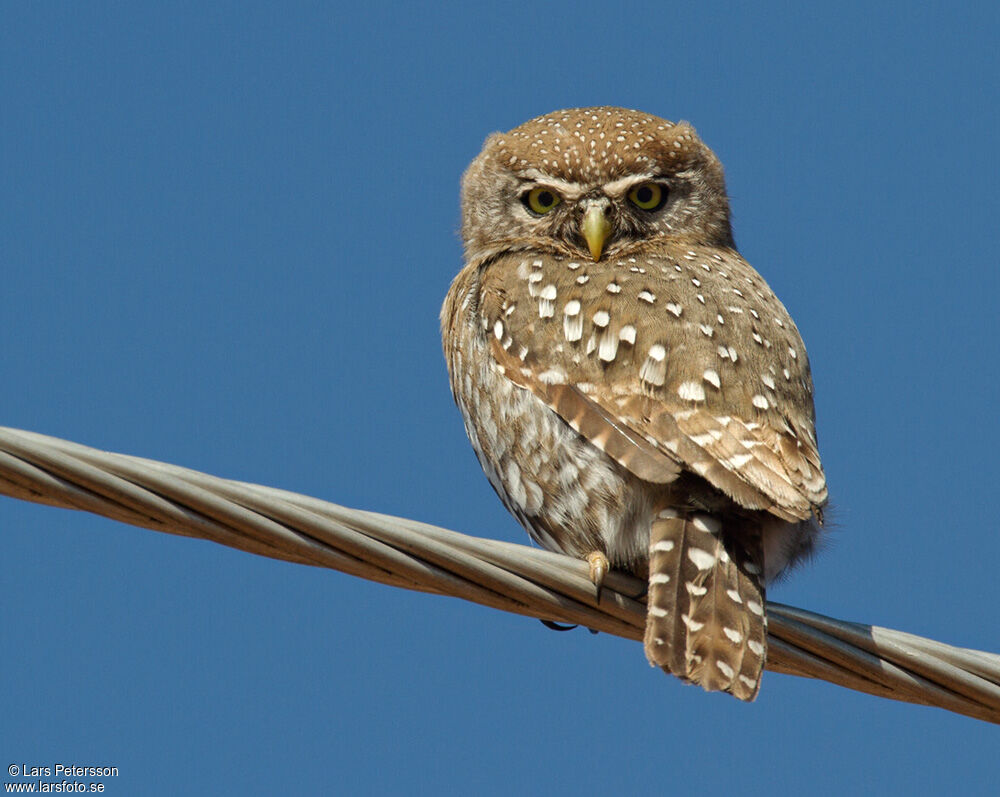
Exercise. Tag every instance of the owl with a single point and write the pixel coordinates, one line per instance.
(635, 392)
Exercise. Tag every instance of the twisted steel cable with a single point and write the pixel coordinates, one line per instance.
(515, 578)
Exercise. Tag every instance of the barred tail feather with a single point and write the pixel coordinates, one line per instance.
(705, 621)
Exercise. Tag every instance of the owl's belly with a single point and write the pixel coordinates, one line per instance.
(567, 493)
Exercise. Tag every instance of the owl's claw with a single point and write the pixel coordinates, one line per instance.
(599, 566)
(553, 626)
(559, 627)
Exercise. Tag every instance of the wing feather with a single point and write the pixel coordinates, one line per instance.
(637, 358)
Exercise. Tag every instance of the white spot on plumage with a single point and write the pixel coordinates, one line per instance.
(676, 309)
(755, 607)
(755, 647)
(659, 578)
(712, 377)
(498, 329)
(706, 439)
(658, 611)
(734, 595)
(627, 334)
(703, 560)
(533, 497)
(734, 636)
(692, 625)
(654, 369)
(694, 590)
(724, 668)
(760, 402)
(553, 376)
(608, 347)
(707, 524)
(512, 481)
(546, 299)
(737, 461)
(663, 546)
(706, 330)
(646, 296)
(602, 318)
(691, 391)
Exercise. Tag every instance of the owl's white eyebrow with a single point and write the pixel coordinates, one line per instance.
(566, 188)
(570, 190)
(620, 186)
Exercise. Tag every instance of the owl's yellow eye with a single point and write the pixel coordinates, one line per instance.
(541, 200)
(648, 196)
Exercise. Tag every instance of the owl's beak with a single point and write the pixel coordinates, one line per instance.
(595, 228)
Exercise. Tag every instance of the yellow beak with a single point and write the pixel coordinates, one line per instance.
(595, 228)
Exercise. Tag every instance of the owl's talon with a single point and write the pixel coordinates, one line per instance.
(599, 566)
(554, 626)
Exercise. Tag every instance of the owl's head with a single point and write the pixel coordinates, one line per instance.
(593, 182)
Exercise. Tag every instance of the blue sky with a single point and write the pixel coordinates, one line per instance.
(225, 235)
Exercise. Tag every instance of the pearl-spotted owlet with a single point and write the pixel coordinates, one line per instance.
(633, 389)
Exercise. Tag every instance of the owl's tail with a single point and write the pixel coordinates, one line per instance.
(705, 622)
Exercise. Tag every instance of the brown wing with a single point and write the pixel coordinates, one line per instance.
(678, 357)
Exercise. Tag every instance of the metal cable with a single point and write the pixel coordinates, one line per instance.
(515, 578)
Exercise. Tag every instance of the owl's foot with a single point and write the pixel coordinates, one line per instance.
(599, 566)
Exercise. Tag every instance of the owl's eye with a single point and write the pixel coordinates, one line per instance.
(648, 196)
(541, 200)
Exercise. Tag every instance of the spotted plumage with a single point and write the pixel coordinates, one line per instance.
(630, 384)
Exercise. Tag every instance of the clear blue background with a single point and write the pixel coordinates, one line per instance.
(226, 230)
